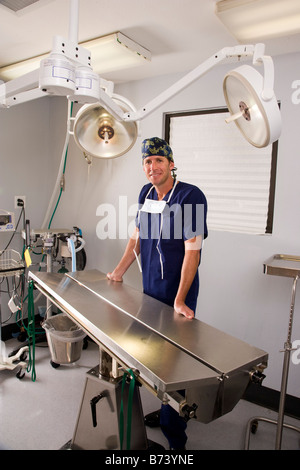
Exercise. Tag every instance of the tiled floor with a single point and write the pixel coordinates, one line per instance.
(41, 415)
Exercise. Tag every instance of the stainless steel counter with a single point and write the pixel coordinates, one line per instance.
(169, 351)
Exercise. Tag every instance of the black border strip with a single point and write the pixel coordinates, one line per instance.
(269, 398)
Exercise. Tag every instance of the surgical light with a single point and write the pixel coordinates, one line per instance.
(256, 117)
(98, 134)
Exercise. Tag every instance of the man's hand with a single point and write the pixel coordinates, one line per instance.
(183, 309)
(114, 277)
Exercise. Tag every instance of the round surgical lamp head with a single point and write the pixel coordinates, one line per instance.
(98, 134)
(258, 118)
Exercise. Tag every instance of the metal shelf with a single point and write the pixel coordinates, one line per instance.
(11, 263)
(283, 265)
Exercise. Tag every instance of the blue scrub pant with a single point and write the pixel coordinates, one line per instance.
(173, 427)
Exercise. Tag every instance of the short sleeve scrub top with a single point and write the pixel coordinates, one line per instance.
(162, 234)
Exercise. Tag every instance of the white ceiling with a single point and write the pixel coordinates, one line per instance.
(180, 34)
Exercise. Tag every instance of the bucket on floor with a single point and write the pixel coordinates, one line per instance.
(65, 339)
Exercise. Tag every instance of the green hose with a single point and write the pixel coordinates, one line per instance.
(60, 193)
(129, 409)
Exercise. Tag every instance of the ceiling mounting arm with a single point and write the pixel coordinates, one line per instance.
(68, 68)
(69, 50)
(221, 56)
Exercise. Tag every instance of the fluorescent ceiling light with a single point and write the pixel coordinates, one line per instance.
(115, 52)
(249, 20)
(109, 53)
(17, 5)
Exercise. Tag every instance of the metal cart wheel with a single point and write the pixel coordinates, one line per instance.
(23, 356)
(19, 374)
(54, 364)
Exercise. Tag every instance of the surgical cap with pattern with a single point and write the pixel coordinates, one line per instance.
(156, 146)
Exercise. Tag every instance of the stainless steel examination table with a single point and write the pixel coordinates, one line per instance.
(146, 341)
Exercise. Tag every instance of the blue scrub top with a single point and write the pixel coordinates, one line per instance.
(184, 217)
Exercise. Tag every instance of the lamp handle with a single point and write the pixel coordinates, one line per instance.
(259, 58)
(268, 86)
(71, 121)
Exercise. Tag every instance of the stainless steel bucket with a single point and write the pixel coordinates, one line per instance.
(65, 339)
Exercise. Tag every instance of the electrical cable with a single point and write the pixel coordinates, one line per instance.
(61, 171)
(60, 175)
(30, 329)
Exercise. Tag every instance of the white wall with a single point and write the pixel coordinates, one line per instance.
(235, 295)
(26, 165)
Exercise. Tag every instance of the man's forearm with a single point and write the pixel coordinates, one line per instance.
(127, 258)
(188, 271)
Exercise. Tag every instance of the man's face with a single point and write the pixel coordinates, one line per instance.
(157, 169)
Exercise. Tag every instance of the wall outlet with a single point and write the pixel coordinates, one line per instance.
(18, 203)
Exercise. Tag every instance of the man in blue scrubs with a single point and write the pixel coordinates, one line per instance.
(170, 228)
